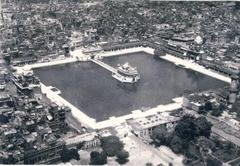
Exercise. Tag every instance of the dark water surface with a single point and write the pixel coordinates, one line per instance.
(92, 89)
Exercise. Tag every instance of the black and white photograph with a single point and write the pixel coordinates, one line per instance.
(120, 82)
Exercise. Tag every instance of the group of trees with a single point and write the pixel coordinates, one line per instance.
(187, 130)
(98, 158)
(214, 110)
(191, 137)
(112, 146)
(122, 157)
(68, 154)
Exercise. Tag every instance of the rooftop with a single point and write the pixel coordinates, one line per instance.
(152, 121)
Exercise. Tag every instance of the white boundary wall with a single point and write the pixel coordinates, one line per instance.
(87, 121)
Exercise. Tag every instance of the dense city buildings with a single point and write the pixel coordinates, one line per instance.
(119, 82)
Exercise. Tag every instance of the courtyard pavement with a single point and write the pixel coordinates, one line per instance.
(141, 153)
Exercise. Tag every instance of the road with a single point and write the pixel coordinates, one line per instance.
(226, 136)
(141, 153)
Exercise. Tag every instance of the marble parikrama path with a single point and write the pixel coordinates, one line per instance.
(90, 122)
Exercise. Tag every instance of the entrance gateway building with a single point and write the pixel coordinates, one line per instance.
(144, 126)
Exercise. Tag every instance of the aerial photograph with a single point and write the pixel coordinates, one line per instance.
(120, 82)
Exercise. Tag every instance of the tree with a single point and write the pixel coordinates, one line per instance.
(237, 5)
(67, 155)
(189, 128)
(122, 157)
(148, 164)
(208, 106)
(160, 164)
(159, 135)
(216, 112)
(98, 158)
(203, 126)
(111, 145)
(176, 144)
(215, 162)
(94, 154)
(186, 128)
(80, 145)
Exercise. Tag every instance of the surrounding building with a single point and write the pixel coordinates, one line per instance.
(34, 130)
(144, 126)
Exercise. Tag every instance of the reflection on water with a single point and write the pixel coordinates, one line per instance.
(92, 89)
(128, 87)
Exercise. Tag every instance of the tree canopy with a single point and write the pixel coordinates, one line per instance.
(188, 129)
(176, 144)
(203, 126)
(159, 135)
(111, 145)
(68, 154)
(97, 158)
(122, 157)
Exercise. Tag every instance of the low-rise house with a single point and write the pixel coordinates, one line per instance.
(56, 118)
(197, 102)
(23, 61)
(27, 138)
(5, 99)
(43, 153)
(234, 124)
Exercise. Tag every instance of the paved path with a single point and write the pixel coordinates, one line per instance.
(111, 122)
(79, 115)
(196, 67)
(126, 51)
(142, 153)
(52, 63)
(178, 61)
(90, 122)
(104, 65)
(115, 121)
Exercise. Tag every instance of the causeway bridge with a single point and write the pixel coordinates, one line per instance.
(104, 65)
